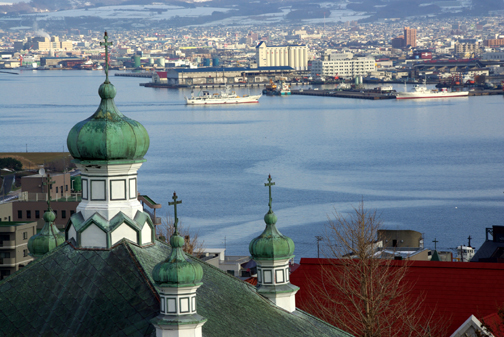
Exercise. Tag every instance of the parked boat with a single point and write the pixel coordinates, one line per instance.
(224, 97)
(421, 91)
(281, 89)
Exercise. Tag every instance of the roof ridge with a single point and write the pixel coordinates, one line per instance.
(140, 268)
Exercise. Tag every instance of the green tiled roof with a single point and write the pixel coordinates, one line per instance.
(83, 292)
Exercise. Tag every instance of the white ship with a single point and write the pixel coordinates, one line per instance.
(224, 97)
(421, 91)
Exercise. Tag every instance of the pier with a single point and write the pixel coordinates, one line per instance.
(371, 94)
(140, 74)
(363, 94)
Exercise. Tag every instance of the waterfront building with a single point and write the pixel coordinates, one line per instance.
(343, 65)
(212, 76)
(295, 56)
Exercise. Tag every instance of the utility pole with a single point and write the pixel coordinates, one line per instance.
(319, 238)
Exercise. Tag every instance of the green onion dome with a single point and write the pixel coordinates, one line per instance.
(176, 270)
(47, 239)
(271, 244)
(108, 134)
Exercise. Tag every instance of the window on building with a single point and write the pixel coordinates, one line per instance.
(230, 272)
(20, 214)
(25, 235)
(28, 214)
(56, 189)
(61, 189)
(66, 188)
(63, 214)
(37, 214)
(25, 252)
(72, 213)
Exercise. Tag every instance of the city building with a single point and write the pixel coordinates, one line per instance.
(210, 76)
(44, 43)
(343, 65)
(466, 50)
(493, 42)
(492, 250)
(493, 56)
(64, 191)
(295, 56)
(14, 252)
(410, 37)
(398, 42)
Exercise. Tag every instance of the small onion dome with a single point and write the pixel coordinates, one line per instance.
(271, 244)
(176, 270)
(108, 134)
(47, 239)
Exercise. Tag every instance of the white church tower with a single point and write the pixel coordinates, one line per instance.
(108, 148)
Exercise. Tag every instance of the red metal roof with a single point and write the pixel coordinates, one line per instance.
(495, 323)
(455, 290)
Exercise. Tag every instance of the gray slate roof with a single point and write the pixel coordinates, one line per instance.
(82, 292)
(486, 250)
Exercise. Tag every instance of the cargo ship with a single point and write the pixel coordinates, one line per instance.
(224, 97)
(421, 91)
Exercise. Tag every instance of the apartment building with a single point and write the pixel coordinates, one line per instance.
(343, 65)
(14, 253)
(410, 37)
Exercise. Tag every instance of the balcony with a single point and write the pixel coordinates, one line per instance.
(7, 244)
(7, 262)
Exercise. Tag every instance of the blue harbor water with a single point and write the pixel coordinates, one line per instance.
(435, 166)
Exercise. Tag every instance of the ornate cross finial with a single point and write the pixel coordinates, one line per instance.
(48, 184)
(269, 184)
(435, 243)
(174, 204)
(106, 44)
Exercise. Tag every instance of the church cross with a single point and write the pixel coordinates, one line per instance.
(174, 204)
(269, 184)
(435, 243)
(48, 183)
(469, 238)
(106, 44)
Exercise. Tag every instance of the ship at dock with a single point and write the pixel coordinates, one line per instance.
(281, 89)
(224, 97)
(421, 91)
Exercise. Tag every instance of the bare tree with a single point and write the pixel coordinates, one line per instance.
(193, 245)
(361, 292)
